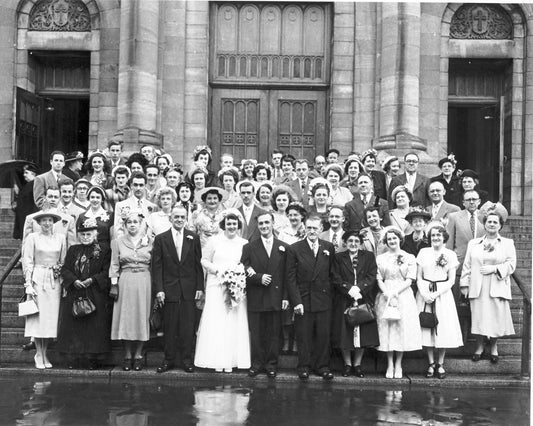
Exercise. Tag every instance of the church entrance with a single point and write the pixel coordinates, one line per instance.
(55, 115)
(269, 79)
(479, 118)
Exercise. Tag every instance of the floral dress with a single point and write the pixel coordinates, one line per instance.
(206, 224)
(404, 334)
(435, 265)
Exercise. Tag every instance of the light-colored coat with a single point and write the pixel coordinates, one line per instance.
(505, 261)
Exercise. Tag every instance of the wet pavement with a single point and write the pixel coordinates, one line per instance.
(55, 400)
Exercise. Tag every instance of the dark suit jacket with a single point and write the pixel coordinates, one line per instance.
(250, 231)
(380, 183)
(263, 298)
(354, 213)
(179, 279)
(310, 279)
(420, 195)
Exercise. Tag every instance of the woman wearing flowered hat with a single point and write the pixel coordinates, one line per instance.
(86, 274)
(206, 220)
(450, 179)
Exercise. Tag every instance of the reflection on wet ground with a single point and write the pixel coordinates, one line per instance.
(75, 401)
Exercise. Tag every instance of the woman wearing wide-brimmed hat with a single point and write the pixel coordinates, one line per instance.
(86, 274)
(44, 254)
(418, 218)
(206, 220)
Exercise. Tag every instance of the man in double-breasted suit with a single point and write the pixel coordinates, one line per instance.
(354, 211)
(311, 270)
(264, 260)
(249, 210)
(178, 280)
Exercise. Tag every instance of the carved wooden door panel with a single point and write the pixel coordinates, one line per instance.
(297, 123)
(239, 123)
(28, 126)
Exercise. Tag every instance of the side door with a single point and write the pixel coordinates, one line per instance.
(28, 127)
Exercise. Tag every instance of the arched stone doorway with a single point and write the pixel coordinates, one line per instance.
(482, 72)
(57, 74)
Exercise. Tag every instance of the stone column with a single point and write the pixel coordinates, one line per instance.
(400, 75)
(137, 74)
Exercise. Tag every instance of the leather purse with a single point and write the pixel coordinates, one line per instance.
(83, 306)
(27, 306)
(156, 318)
(357, 315)
(428, 319)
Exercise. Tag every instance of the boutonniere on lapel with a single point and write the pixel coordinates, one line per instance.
(488, 247)
(326, 252)
(282, 249)
(144, 241)
(150, 209)
(64, 222)
(96, 251)
(364, 235)
(190, 237)
(400, 260)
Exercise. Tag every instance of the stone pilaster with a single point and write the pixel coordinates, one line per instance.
(400, 78)
(137, 76)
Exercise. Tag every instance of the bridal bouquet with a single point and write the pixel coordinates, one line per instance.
(234, 282)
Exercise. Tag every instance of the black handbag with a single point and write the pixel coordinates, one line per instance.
(83, 306)
(357, 315)
(156, 317)
(428, 319)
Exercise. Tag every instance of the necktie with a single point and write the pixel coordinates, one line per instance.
(58, 178)
(268, 247)
(178, 244)
(315, 248)
(364, 200)
(473, 225)
(335, 241)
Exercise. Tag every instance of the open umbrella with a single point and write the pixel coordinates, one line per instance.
(11, 173)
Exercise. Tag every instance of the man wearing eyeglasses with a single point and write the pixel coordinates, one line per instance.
(414, 181)
(462, 227)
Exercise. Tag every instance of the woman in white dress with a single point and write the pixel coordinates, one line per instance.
(223, 341)
(44, 254)
(396, 272)
(436, 275)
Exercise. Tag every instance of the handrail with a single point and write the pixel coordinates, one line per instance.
(526, 326)
(10, 266)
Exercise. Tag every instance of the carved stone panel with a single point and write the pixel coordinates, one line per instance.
(59, 15)
(481, 22)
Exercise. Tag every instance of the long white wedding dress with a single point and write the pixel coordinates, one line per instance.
(223, 340)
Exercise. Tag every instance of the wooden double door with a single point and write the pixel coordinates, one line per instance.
(252, 123)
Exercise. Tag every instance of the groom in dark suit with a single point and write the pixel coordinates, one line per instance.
(178, 281)
(311, 270)
(264, 260)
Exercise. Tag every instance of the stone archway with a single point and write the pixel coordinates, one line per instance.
(60, 25)
(512, 49)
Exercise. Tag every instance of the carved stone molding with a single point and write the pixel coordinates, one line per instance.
(481, 22)
(59, 15)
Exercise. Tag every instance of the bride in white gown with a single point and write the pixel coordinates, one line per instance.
(223, 340)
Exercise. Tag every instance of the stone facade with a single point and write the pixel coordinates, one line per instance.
(388, 89)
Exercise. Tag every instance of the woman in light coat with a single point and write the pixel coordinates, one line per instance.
(486, 280)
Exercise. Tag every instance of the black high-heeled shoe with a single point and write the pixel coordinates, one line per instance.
(347, 371)
(126, 364)
(357, 372)
(494, 359)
